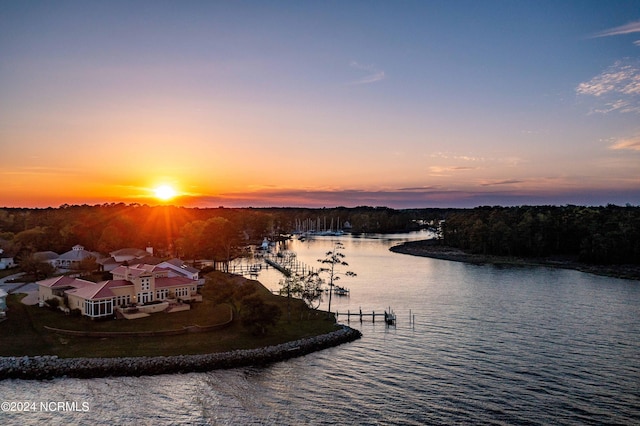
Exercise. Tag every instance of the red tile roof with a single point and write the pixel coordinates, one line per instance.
(101, 290)
(64, 281)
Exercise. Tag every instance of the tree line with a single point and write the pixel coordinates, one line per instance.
(609, 234)
(189, 233)
(600, 235)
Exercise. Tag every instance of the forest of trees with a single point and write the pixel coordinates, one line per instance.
(189, 233)
(608, 234)
(601, 235)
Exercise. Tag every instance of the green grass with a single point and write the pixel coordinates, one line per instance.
(23, 333)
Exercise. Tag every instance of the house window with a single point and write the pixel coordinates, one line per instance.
(98, 308)
(123, 300)
(145, 297)
(181, 292)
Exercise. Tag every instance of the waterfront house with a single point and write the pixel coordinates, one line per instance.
(137, 285)
(178, 268)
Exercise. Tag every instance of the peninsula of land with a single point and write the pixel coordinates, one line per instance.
(434, 249)
(44, 343)
(49, 367)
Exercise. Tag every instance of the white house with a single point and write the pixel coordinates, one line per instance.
(6, 262)
(72, 258)
(177, 268)
(50, 257)
(129, 255)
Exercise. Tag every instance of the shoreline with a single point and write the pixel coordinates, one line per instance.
(430, 248)
(50, 367)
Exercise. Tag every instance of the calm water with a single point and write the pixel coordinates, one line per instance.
(488, 346)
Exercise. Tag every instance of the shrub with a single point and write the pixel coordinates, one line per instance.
(206, 270)
(53, 303)
(257, 316)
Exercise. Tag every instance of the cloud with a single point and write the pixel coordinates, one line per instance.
(373, 74)
(632, 144)
(453, 156)
(41, 170)
(420, 197)
(618, 78)
(448, 170)
(617, 88)
(419, 188)
(631, 27)
(502, 182)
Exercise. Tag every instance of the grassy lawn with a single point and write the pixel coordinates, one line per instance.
(23, 333)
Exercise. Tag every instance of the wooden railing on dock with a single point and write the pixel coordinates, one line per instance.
(252, 270)
(389, 317)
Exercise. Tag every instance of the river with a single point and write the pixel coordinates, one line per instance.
(473, 344)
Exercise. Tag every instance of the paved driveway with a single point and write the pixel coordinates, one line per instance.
(31, 298)
(30, 288)
(11, 277)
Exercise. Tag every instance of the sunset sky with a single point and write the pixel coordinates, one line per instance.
(320, 103)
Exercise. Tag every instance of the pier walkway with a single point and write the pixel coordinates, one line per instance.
(389, 316)
(285, 262)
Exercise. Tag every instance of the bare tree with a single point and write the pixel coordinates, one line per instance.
(334, 259)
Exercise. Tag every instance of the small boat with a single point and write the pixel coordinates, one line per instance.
(340, 291)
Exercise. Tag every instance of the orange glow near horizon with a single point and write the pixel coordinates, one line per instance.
(190, 189)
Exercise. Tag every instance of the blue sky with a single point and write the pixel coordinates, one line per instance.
(405, 104)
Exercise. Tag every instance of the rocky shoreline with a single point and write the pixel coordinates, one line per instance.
(433, 249)
(49, 367)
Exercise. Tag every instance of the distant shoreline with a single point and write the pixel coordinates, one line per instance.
(431, 248)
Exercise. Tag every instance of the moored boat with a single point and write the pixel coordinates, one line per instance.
(340, 291)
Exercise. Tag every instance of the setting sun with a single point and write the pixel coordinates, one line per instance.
(164, 192)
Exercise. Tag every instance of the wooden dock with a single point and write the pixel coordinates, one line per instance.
(251, 270)
(288, 264)
(388, 316)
